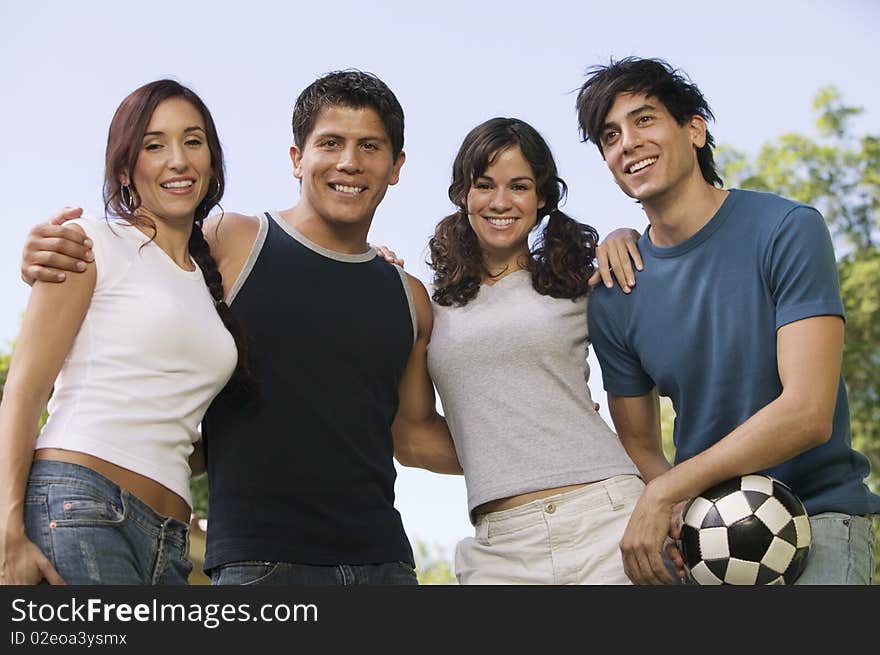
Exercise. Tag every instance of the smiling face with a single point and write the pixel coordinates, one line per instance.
(346, 165)
(173, 169)
(652, 157)
(502, 206)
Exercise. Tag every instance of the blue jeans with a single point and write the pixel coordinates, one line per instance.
(842, 551)
(284, 573)
(95, 533)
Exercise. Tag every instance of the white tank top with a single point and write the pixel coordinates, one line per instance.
(151, 354)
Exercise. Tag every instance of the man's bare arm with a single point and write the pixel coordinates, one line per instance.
(421, 436)
(231, 238)
(637, 422)
(809, 356)
(53, 249)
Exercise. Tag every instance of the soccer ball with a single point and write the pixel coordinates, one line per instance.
(749, 530)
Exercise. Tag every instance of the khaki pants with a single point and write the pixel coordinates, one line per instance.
(569, 538)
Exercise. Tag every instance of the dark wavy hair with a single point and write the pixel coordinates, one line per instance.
(655, 78)
(348, 88)
(561, 260)
(124, 143)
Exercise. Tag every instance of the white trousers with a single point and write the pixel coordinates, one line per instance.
(569, 538)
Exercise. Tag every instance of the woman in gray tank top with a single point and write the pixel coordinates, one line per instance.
(550, 486)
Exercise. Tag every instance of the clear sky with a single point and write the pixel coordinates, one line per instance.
(67, 65)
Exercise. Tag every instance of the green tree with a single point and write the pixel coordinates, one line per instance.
(432, 566)
(198, 487)
(837, 172)
(4, 368)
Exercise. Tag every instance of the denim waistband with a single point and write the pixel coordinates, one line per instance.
(44, 471)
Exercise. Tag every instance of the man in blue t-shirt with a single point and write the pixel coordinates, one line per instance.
(736, 316)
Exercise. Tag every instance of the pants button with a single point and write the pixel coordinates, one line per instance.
(550, 508)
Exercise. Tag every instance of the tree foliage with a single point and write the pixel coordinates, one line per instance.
(198, 487)
(432, 565)
(834, 171)
(4, 368)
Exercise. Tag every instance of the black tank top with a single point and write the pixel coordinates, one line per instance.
(305, 473)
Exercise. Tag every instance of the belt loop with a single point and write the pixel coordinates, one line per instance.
(122, 496)
(614, 498)
(482, 528)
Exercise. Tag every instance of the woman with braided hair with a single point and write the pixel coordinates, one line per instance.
(135, 346)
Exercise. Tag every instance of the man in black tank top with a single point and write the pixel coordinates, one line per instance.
(301, 478)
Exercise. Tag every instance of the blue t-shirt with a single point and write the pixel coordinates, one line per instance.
(701, 324)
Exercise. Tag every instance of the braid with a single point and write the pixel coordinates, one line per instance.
(242, 378)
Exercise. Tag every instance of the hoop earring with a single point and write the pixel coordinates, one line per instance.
(216, 193)
(127, 198)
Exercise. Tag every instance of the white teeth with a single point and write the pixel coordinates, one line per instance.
(501, 221)
(639, 165)
(347, 189)
(177, 185)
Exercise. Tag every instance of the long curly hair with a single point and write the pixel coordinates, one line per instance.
(561, 259)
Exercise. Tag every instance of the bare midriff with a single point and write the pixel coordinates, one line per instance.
(515, 501)
(160, 499)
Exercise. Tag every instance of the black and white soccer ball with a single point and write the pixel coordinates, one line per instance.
(748, 530)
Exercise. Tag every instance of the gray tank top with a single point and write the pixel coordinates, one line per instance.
(511, 370)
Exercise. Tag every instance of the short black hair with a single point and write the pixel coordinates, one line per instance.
(348, 88)
(655, 78)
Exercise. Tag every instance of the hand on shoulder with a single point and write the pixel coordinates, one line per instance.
(615, 258)
(389, 255)
(51, 248)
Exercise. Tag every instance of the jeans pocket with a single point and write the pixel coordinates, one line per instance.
(841, 550)
(36, 523)
(78, 506)
(243, 573)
